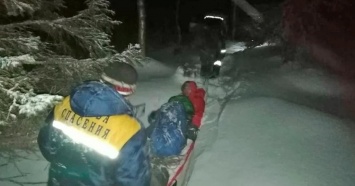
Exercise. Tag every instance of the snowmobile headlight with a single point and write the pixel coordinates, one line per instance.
(223, 51)
(213, 17)
(217, 63)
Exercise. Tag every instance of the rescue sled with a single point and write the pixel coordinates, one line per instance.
(179, 174)
(179, 169)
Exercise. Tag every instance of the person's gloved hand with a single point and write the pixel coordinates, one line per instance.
(151, 121)
(192, 132)
(152, 117)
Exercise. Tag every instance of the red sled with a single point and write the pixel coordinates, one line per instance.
(180, 175)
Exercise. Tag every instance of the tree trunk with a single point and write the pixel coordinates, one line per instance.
(234, 21)
(249, 9)
(142, 26)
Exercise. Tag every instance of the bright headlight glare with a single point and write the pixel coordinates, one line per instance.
(213, 17)
(223, 51)
(217, 63)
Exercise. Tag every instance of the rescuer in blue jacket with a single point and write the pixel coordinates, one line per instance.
(92, 138)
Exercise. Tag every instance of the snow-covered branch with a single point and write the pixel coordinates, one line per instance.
(14, 61)
(88, 30)
(45, 52)
(23, 101)
(20, 7)
(14, 43)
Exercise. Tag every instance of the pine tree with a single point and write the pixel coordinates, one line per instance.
(61, 50)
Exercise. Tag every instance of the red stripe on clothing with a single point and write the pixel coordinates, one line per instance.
(183, 165)
(124, 89)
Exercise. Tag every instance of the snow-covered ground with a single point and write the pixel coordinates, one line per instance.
(276, 133)
(266, 126)
(270, 142)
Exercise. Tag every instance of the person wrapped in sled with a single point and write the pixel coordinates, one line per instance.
(92, 138)
(176, 121)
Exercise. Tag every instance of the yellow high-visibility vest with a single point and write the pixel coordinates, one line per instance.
(106, 134)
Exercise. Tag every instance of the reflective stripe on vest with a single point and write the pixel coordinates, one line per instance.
(106, 135)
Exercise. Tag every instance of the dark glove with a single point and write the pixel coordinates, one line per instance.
(152, 123)
(192, 132)
(152, 117)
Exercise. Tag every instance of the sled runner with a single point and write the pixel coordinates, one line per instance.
(180, 174)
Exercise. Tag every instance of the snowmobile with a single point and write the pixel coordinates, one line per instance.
(217, 23)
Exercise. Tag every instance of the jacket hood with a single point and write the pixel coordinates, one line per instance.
(195, 91)
(93, 99)
(192, 86)
(200, 92)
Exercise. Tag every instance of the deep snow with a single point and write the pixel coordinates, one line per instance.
(267, 141)
(261, 138)
(276, 133)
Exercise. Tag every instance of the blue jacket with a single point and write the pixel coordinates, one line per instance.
(76, 164)
(168, 131)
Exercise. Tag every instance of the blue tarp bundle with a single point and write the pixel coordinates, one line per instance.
(170, 126)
